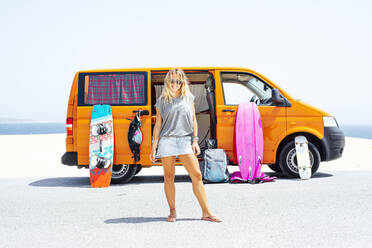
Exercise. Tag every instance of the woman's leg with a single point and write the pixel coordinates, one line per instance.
(191, 164)
(169, 187)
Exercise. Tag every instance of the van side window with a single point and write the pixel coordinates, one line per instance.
(242, 87)
(112, 88)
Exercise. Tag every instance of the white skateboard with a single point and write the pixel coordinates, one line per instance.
(303, 157)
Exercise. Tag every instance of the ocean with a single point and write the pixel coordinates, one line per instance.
(32, 128)
(358, 131)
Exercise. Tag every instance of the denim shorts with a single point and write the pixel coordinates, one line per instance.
(174, 146)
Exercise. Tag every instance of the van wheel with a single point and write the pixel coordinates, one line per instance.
(123, 173)
(288, 159)
(275, 167)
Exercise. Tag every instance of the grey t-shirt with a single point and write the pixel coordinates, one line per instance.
(177, 116)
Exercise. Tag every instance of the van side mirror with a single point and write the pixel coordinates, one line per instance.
(276, 98)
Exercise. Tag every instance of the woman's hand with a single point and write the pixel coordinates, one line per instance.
(152, 155)
(195, 147)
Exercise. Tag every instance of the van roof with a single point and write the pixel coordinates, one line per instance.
(166, 69)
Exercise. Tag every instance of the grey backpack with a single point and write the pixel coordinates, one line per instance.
(214, 167)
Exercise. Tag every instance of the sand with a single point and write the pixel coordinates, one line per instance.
(40, 156)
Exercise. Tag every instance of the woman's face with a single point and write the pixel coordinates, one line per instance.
(175, 85)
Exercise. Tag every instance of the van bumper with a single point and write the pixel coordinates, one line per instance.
(69, 158)
(333, 143)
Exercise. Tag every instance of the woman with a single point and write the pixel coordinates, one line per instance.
(175, 134)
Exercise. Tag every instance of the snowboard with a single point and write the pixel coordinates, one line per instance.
(101, 146)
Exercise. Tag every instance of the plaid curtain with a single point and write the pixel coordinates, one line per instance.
(116, 89)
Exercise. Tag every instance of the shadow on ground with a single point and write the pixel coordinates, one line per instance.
(84, 182)
(136, 220)
(158, 179)
(281, 176)
(81, 182)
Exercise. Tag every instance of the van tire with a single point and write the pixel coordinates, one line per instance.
(139, 168)
(275, 167)
(288, 160)
(123, 173)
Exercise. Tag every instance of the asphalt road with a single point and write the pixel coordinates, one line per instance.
(329, 210)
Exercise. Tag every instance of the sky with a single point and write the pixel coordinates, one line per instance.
(317, 51)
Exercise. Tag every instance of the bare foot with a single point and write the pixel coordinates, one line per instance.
(172, 215)
(211, 217)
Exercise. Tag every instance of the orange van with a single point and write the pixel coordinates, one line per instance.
(218, 92)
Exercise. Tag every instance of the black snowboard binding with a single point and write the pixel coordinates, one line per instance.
(101, 129)
(100, 162)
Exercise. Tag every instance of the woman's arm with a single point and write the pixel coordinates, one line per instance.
(156, 130)
(195, 144)
(195, 128)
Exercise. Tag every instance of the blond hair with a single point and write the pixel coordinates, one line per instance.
(185, 90)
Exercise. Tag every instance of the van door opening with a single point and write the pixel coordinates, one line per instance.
(201, 84)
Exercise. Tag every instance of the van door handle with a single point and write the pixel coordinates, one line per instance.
(228, 110)
(142, 112)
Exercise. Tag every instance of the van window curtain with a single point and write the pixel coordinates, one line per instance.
(128, 88)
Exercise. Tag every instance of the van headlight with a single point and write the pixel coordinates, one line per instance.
(329, 121)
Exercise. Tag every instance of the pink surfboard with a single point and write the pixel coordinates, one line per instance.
(249, 144)
(248, 140)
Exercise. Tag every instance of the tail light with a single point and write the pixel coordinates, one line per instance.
(69, 126)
